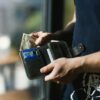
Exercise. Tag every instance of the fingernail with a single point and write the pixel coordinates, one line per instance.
(36, 43)
(58, 82)
(41, 70)
(46, 79)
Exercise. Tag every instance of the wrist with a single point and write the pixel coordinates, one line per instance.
(80, 64)
(83, 64)
(54, 36)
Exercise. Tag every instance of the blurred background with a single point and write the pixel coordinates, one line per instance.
(25, 16)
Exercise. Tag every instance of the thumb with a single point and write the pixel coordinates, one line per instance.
(38, 41)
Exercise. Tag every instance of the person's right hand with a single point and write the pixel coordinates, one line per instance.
(40, 38)
(63, 70)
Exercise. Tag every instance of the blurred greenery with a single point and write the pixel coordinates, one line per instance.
(33, 22)
(68, 11)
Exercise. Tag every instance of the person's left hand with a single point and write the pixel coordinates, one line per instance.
(62, 70)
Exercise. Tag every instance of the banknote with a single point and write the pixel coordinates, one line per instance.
(25, 43)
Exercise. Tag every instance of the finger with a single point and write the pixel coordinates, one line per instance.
(38, 41)
(53, 75)
(39, 33)
(55, 81)
(35, 38)
(33, 34)
(47, 68)
(32, 40)
(58, 82)
(32, 44)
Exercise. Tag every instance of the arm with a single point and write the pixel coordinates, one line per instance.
(65, 70)
(91, 63)
(65, 34)
(40, 38)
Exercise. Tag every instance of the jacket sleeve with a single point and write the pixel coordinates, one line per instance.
(66, 34)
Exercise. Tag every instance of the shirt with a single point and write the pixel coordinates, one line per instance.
(87, 31)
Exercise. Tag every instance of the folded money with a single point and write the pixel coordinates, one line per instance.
(25, 43)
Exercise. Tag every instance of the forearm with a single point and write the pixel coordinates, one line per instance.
(65, 34)
(91, 63)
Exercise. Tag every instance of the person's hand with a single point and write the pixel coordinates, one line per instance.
(40, 38)
(62, 70)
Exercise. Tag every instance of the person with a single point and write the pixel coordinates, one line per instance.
(81, 74)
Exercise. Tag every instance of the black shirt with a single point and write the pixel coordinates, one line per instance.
(87, 31)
